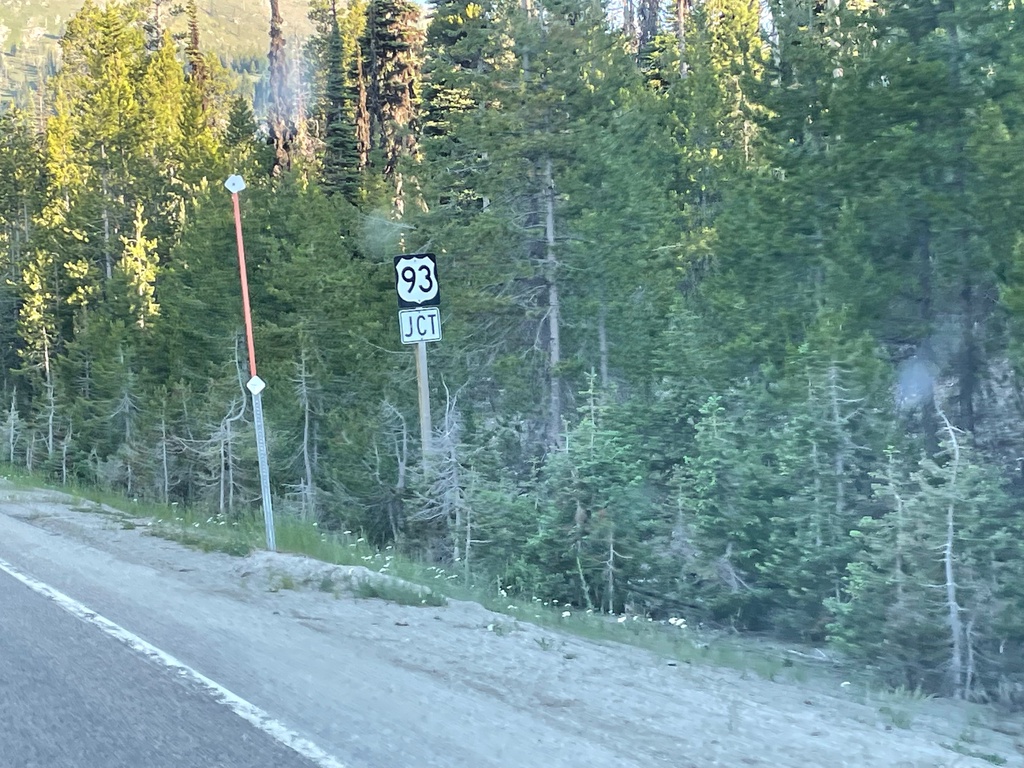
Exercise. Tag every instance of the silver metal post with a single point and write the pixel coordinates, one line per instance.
(424, 397)
(256, 386)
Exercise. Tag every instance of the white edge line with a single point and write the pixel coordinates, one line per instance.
(244, 709)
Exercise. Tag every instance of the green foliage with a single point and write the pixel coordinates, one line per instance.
(731, 333)
(279, 581)
(727, 489)
(341, 153)
(891, 611)
(963, 749)
(592, 528)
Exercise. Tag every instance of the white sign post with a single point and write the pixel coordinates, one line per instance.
(419, 321)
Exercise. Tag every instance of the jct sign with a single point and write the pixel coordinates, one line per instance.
(419, 324)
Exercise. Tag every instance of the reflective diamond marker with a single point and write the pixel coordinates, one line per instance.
(256, 385)
(235, 184)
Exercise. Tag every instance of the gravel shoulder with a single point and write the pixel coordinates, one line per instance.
(381, 684)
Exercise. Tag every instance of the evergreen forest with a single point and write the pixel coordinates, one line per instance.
(732, 297)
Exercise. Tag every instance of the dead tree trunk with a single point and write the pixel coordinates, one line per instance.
(554, 311)
(602, 342)
(279, 117)
(610, 570)
(956, 630)
(308, 449)
(12, 427)
(682, 18)
(164, 462)
(65, 445)
(629, 22)
(51, 412)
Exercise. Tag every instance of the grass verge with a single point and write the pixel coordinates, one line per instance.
(400, 592)
(988, 757)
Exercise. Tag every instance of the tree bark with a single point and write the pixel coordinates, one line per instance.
(554, 311)
(64, 445)
(281, 129)
(108, 257)
(647, 22)
(956, 662)
(629, 23)
(682, 16)
(164, 461)
(51, 402)
(12, 421)
(602, 343)
(308, 450)
(610, 570)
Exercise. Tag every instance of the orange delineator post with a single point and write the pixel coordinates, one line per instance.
(245, 286)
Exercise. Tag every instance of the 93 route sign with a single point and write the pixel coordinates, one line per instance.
(416, 281)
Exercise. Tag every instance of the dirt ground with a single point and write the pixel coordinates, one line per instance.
(381, 684)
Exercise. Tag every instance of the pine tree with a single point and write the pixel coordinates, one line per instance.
(834, 427)
(193, 53)
(513, 110)
(727, 489)
(137, 271)
(340, 174)
(21, 201)
(241, 128)
(930, 598)
(162, 97)
(387, 78)
(590, 533)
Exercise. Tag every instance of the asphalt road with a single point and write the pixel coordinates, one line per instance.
(74, 697)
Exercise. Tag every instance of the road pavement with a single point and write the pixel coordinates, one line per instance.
(71, 696)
